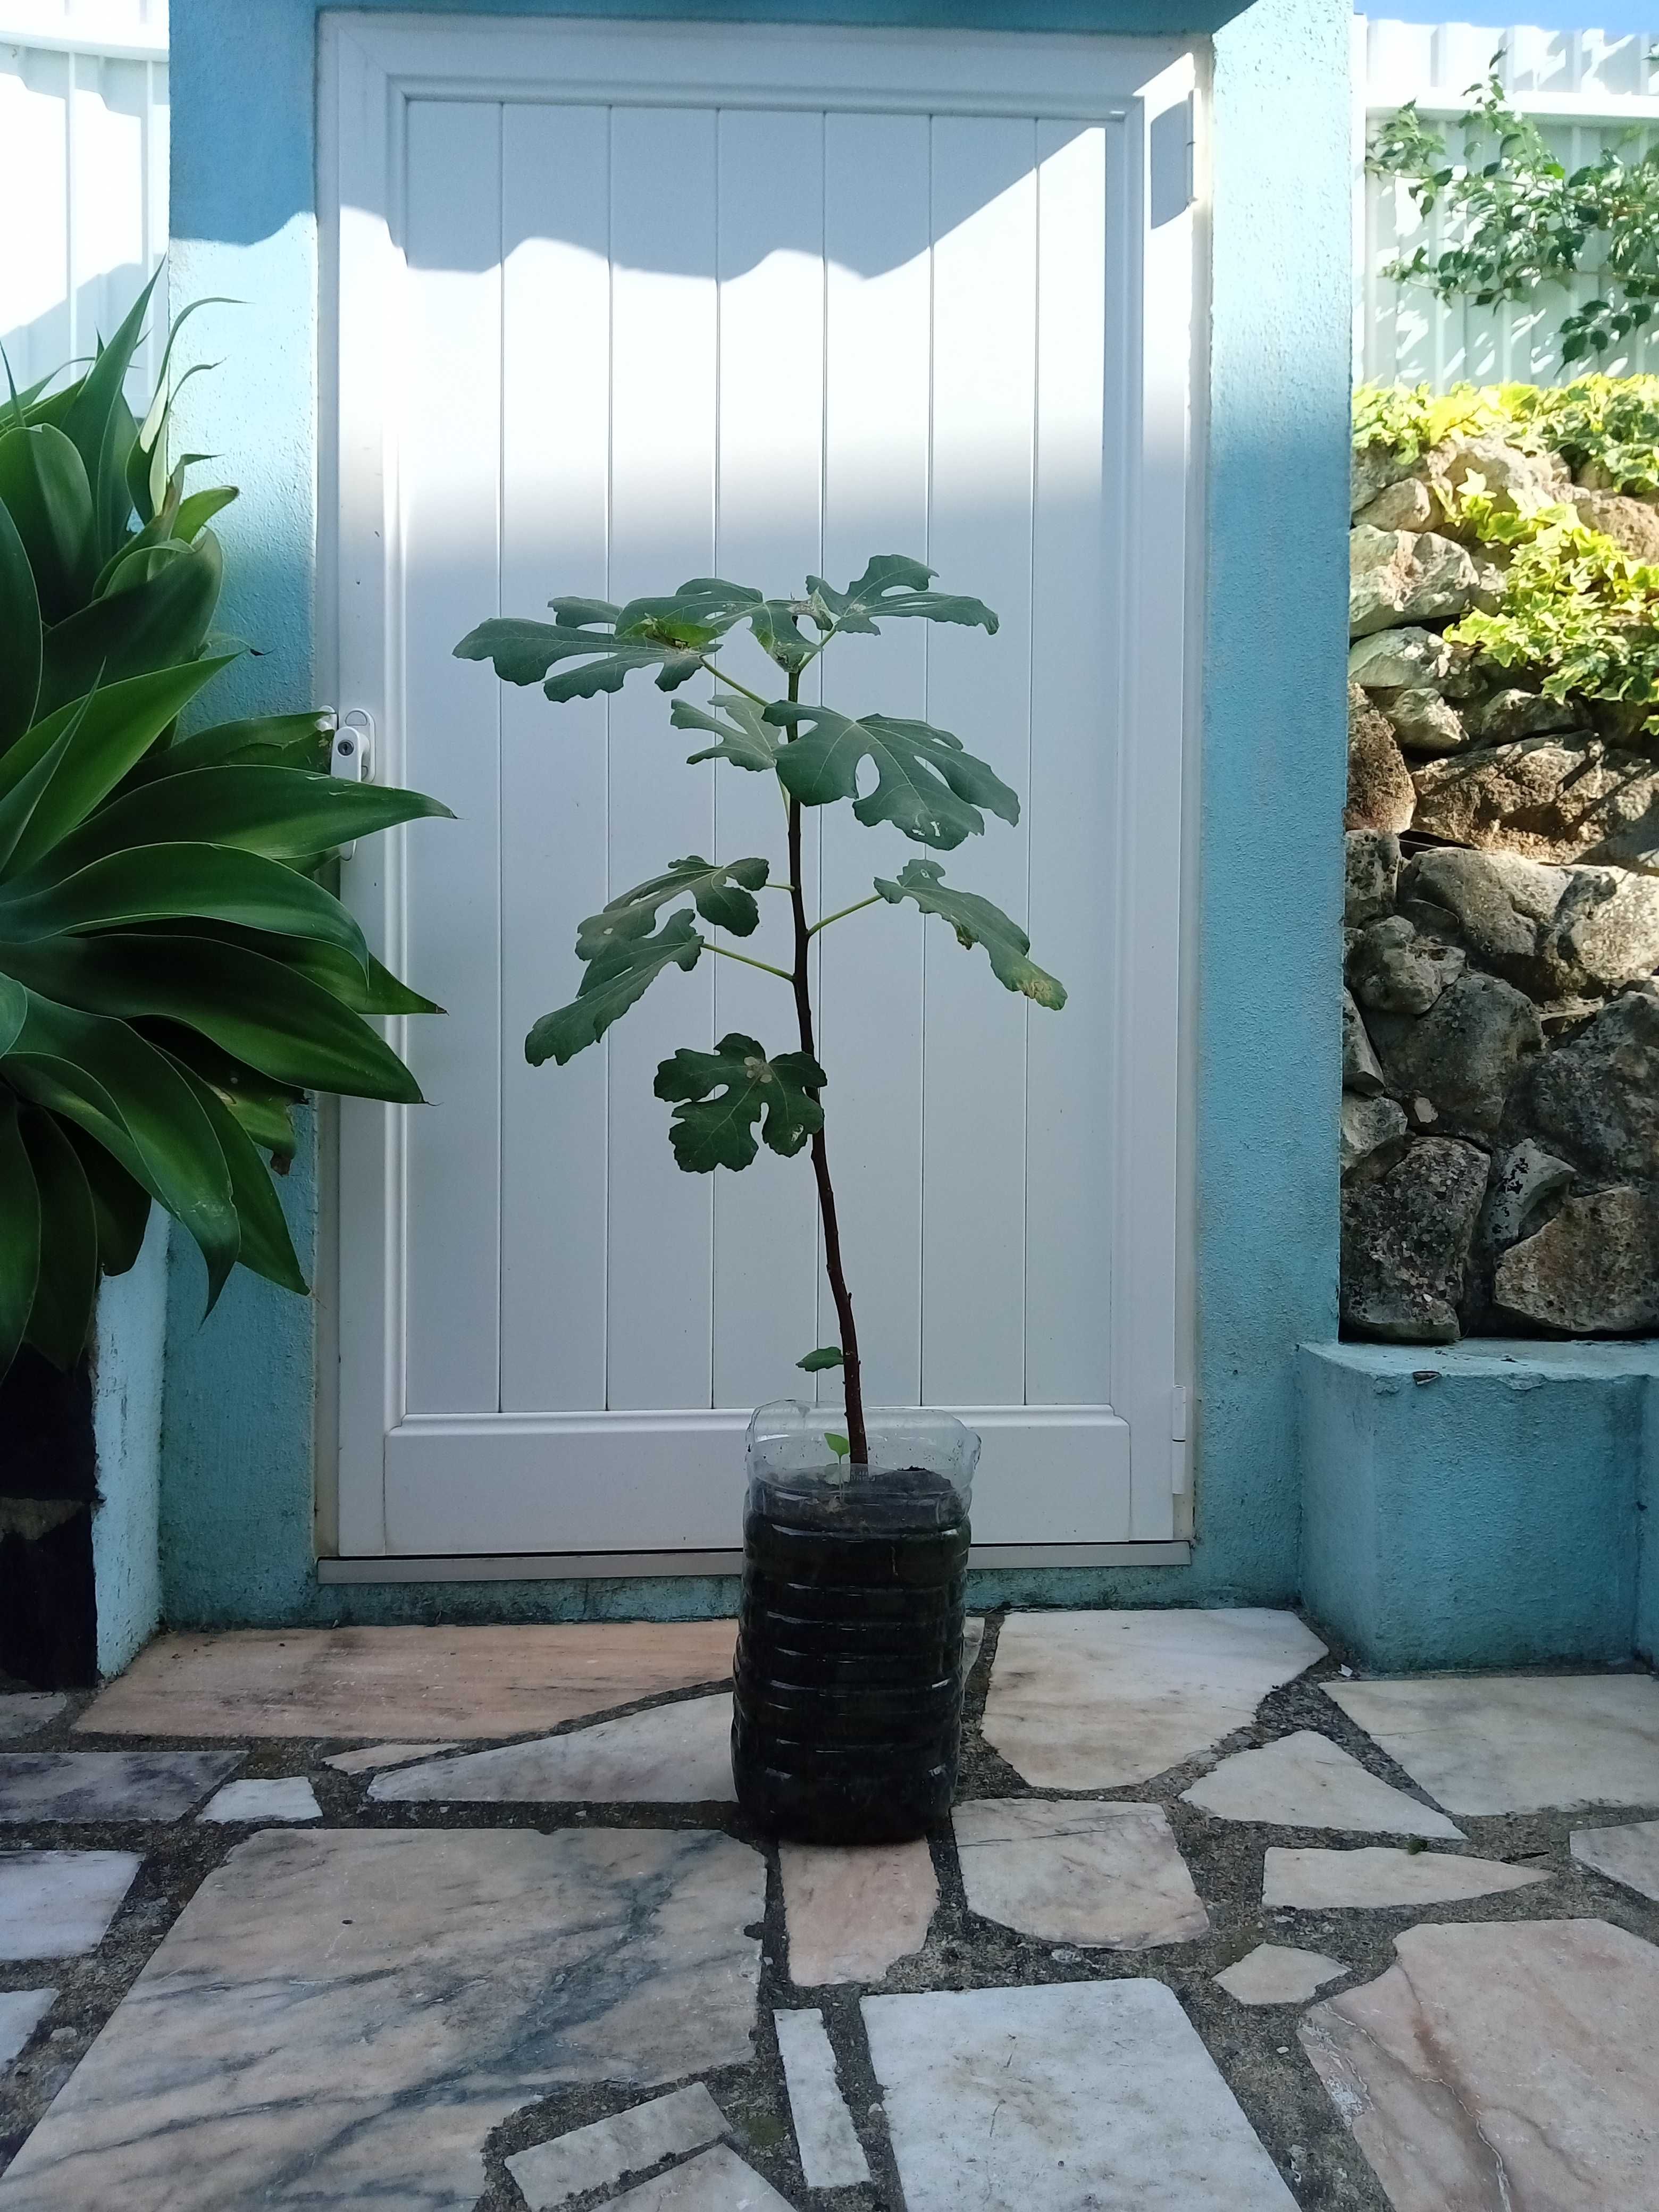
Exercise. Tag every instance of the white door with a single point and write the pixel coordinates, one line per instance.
(610, 306)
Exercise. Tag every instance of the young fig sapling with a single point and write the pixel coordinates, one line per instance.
(729, 1101)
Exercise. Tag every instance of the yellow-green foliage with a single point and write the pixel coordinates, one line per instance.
(1607, 427)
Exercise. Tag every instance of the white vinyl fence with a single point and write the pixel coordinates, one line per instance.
(83, 176)
(1586, 90)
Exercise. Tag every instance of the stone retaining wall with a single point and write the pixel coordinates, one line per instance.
(1500, 1036)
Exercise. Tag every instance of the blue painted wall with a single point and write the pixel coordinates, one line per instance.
(128, 1353)
(237, 1504)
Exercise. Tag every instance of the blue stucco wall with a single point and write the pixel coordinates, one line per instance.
(238, 1487)
(127, 1372)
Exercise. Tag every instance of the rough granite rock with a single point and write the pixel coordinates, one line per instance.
(1631, 523)
(1546, 798)
(1393, 970)
(1516, 482)
(1380, 793)
(1397, 576)
(1514, 713)
(1371, 869)
(1399, 660)
(1462, 1055)
(1374, 1133)
(1408, 504)
(1492, 904)
(1361, 1072)
(1604, 931)
(1406, 1241)
(1592, 1270)
(1373, 468)
(1424, 722)
(1596, 1097)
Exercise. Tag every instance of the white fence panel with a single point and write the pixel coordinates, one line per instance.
(1587, 90)
(83, 176)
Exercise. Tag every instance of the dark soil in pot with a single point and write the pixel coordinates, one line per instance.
(848, 1714)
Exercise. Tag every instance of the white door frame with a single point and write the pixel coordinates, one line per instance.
(371, 66)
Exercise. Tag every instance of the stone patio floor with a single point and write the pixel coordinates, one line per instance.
(440, 1919)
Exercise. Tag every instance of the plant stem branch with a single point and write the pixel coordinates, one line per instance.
(730, 682)
(842, 913)
(801, 979)
(727, 953)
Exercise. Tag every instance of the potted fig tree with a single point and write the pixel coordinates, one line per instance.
(848, 1681)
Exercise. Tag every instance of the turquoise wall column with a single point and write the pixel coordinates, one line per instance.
(240, 1391)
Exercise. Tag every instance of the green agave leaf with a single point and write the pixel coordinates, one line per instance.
(723, 894)
(976, 921)
(746, 736)
(281, 812)
(120, 1202)
(281, 1024)
(111, 499)
(14, 1009)
(157, 625)
(21, 803)
(20, 626)
(376, 990)
(160, 881)
(892, 585)
(44, 487)
(926, 785)
(827, 1355)
(60, 1319)
(98, 396)
(198, 509)
(265, 1109)
(264, 741)
(20, 1232)
(263, 1243)
(724, 1093)
(129, 1095)
(618, 977)
(123, 721)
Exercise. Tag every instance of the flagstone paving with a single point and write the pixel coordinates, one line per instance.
(530, 1907)
(22, 1711)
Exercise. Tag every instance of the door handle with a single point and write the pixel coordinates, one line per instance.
(351, 755)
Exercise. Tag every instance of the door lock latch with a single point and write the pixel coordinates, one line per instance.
(351, 755)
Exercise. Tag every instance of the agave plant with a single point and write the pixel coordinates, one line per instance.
(173, 979)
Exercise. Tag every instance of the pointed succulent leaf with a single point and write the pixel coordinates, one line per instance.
(264, 741)
(722, 892)
(745, 734)
(44, 487)
(827, 1355)
(20, 1231)
(20, 626)
(722, 1094)
(61, 1316)
(892, 585)
(97, 399)
(121, 724)
(159, 624)
(198, 509)
(263, 1243)
(120, 1202)
(976, 921)
(622, 974)
(264, 1108)
(926, 785)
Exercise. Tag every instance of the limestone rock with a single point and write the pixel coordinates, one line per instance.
(1515, 713)
(1604, 931)
(1464, 1054)
(1516, 482)
(1548, 798)
(1405, 1243)
(1374, 468)
(1631, 523)
(1398, 659)
(1380, 793)
(1361, 1072)
(1523, 1178)
(1371, 1127)
(1426, 723)
(1495, 905)
(1408, 504)
(1597, 1096)
(1372, 868)
(1393, 970)
(1396, 576)
(1594, 1271)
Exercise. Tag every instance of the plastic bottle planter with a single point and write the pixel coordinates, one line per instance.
(847, 1717)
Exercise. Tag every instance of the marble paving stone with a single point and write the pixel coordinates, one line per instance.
(56, 1905)
(1085, 1873)
(973, 1641)
(672, 1754)
(1277, 1973)
(1315, 1881)
(22, 1711)
(715, 2181)
(1077, 2097)
(849, 1911)
(339, 2017)
(1306, 1781)
(414, 1683)
(22, 2012)
(374, 1756)
(607, 2151)
(1512, 2067)
(1629, 1855)
(1517, 1743)
(831, 2155)
(290, 1797)
(1097, 1700)
(109, 1786)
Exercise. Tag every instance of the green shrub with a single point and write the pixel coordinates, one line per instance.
(173, 976)
(1606, 428)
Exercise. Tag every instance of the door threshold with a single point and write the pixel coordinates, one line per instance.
(583, 1566)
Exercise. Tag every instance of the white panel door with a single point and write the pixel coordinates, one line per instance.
(610, 305)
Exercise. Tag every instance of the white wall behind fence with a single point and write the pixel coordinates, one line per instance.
(83, 175)
(1586, 90)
